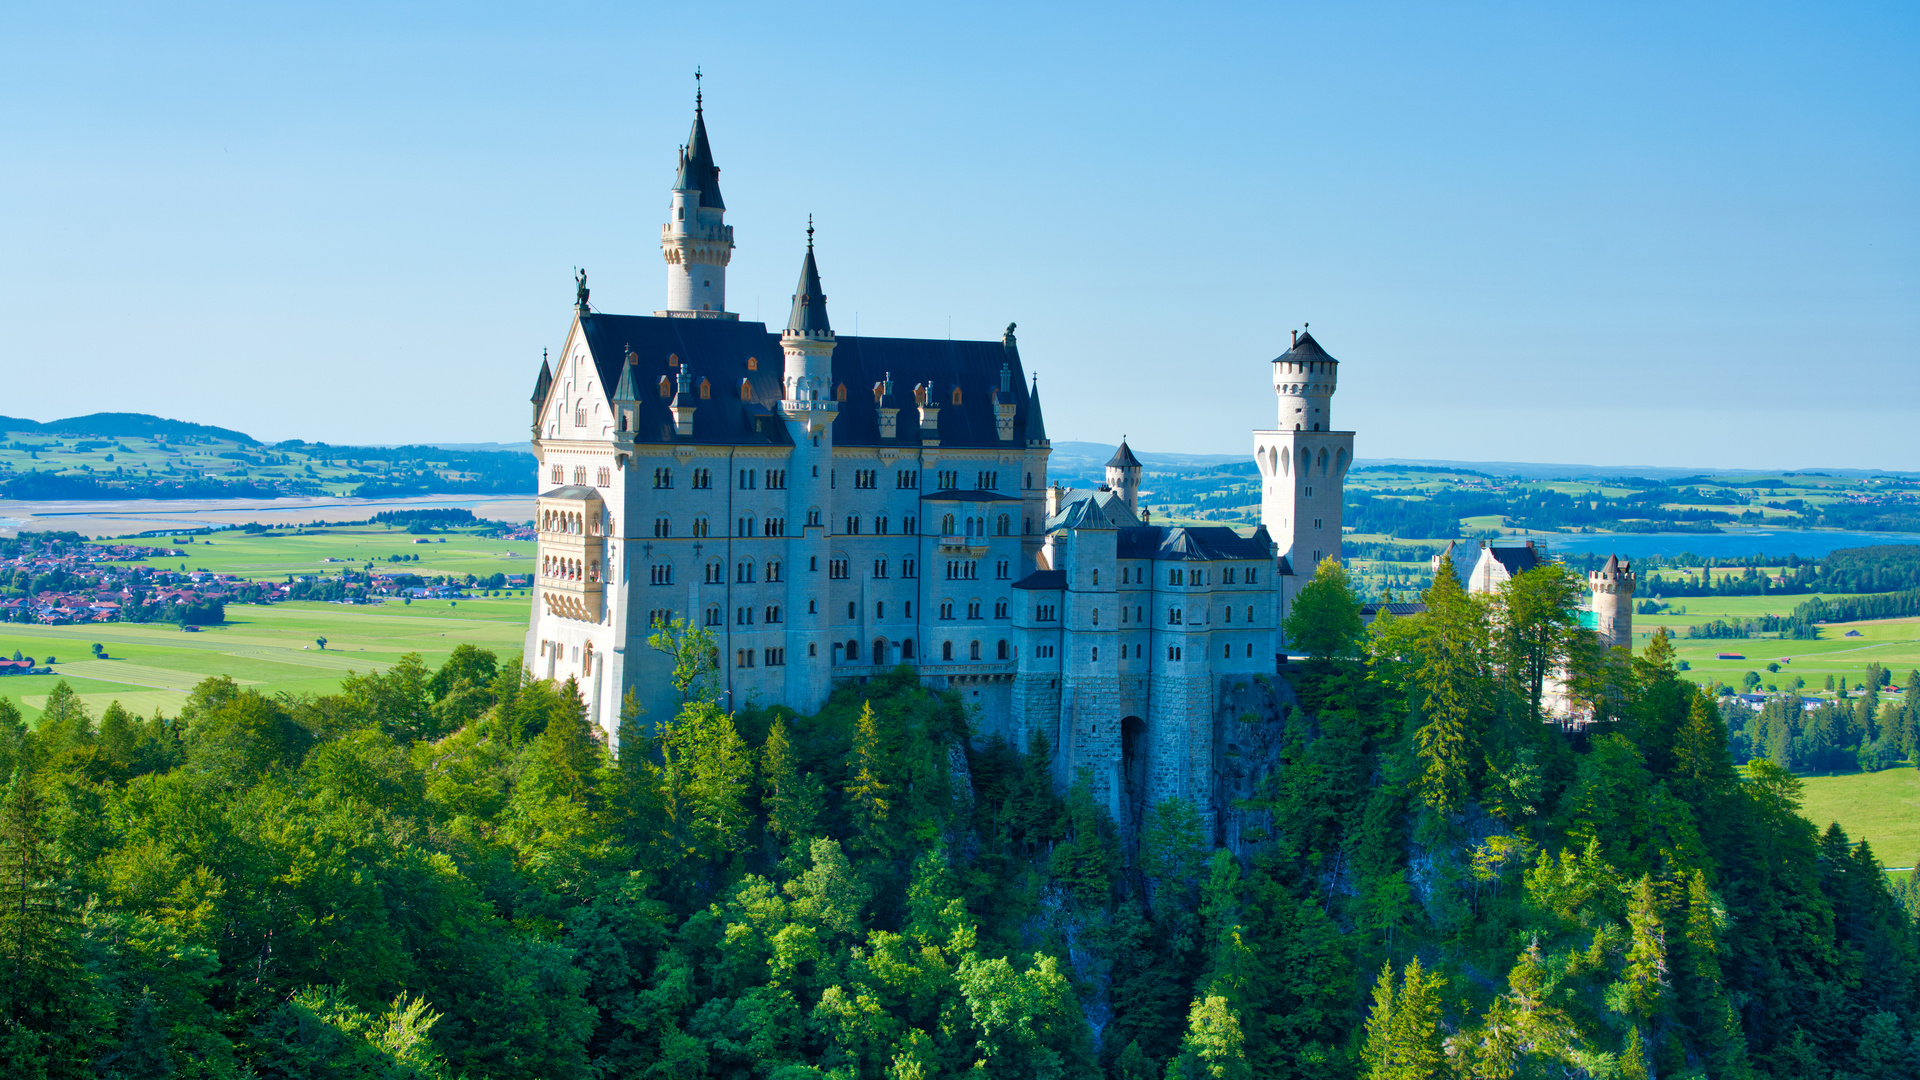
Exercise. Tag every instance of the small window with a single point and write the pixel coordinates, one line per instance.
(706, 390)
(840, 392)
(666, 387)
(746, 390)
(753, 364)
(956, 395)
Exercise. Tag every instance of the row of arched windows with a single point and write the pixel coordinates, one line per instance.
(561, 569)
(567, 521)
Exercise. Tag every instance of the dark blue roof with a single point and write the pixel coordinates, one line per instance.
(1043, 579)
(1305, 350)
(976, 495)
(717, 350)
(809, 314)
(697, 170)
(1192, 542)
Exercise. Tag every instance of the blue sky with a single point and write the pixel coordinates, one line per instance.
(1621, 233)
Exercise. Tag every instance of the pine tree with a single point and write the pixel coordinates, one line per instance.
(1403, 1031)
(1453, 680)
(866, 790)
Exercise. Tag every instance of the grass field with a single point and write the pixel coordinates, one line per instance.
(279, 552)
(273, 648)
(1881, 808)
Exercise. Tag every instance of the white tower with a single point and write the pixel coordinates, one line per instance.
(1612, 602)
(696, 241)
(1303, 461)
(1123, 475)
(807, 404)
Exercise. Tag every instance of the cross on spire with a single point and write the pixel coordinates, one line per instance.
(809, 232)
(696, 89)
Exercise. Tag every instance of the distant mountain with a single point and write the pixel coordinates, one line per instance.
(124, 425)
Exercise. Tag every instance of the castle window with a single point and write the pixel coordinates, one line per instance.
(700, 526)
(946, 609)
(579, 414)
(946, 525)
(973, 609)
(753, 364)
(840, 392)
(1006, 525)
(880, 567)
(1249, 612)
(853, 649)
(1096, 616)
(812, 649)
(946, 650)
(666, 387)
(716, 573)
(605, 477)
(1000, 610)
(1226, 652)
(746, 390)
(973, 649)
(1229, 612)
(745, 526)
(776, 526)
(1253, 575)
(1173, 616)
(773, 570)
(837, 568)
(743, 573)
(1096, 575)
(1096, 653)
(853, 524)
(906, 649)
(661, 527)
(706, 390)
(1001, 650)
(880, 609)
(673, 359)
(909, 568)
(776, 657)
(880, 525)
(909, 524)
(703, 478)
(1174, 576)
(956, 395)
(713, 615)
(1000, 573)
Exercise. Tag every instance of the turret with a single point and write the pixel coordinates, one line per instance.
(807, 345)
(1304, 378)
(626, 398)
(1612, 587)
(542, 384)
(696, 241)
(1123, 475)
(889, 406)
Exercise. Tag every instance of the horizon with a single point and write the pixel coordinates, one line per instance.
(1526, 234)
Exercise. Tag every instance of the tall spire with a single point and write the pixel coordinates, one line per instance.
(1036, 424)
(697, 170)
(809, 315)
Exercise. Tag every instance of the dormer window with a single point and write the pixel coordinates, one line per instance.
(666, 387)
(753, 364)
(706, 390)
(956, 395)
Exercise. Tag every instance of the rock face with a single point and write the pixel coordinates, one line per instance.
(1249, 728)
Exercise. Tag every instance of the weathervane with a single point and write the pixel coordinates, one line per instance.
(809, 232)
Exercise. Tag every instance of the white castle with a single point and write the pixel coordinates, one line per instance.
(829, 507)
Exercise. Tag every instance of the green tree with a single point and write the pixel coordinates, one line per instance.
(1453, 680)
(867, 791)
(1403, 1039)
(1324, 618)
(1539, 624)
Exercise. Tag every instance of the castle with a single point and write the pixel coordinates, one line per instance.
(829, 507)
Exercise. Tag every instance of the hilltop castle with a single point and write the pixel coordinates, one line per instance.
(831, 506)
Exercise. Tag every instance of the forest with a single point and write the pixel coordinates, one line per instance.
(445, 873)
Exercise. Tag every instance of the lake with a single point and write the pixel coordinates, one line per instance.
(124, 517)
(1778, 543)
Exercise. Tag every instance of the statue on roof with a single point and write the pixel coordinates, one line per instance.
(580, 289)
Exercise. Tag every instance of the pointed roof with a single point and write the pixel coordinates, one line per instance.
(809, 316)
(626, 390)
(1305, 350)
(697, 170)
(542, 382)
(1036, 424)
(1123, 458)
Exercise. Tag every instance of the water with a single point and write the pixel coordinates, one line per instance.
(1777, 543)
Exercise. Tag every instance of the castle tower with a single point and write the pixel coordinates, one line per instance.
(696, 241)
(807, 403)
(1612, 587)
(1303, 462)
(1123, 475)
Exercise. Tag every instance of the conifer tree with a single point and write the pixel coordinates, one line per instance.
(1403, 1031)
(1452, 679)
(867, 790)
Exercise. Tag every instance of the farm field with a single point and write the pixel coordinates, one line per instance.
(279, 552)
(1882, 808)
(269, 648)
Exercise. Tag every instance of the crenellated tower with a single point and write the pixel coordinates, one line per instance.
(696, 241)
(1612, 587)
(1303, 461)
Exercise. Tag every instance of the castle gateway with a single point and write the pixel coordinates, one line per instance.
(829, 507)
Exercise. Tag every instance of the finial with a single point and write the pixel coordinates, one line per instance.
(696, 89)
(809, 232)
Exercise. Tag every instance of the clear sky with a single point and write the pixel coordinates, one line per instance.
(1608, 233)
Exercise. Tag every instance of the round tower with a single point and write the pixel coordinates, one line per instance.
(1123, 475)
(1612, 587)
(696, 241)
(1304, 379)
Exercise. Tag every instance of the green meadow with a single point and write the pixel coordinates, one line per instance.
(275, 648)
(279, 552)
(1882, 808)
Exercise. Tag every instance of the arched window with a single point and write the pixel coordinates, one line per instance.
(946, 525)
(946, 650)
(746, 390)
(706, 390)
(853, 649)
(906, 649)
(673, 360)
(700, 526)
(840, 392)
(666, 387)
(973, 651)
(1006, 525)
(1003, 649)
(1340, 462)
(956, 394)
(753, 364)
(879, 650)
(1323, 455)
(1286, 461)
